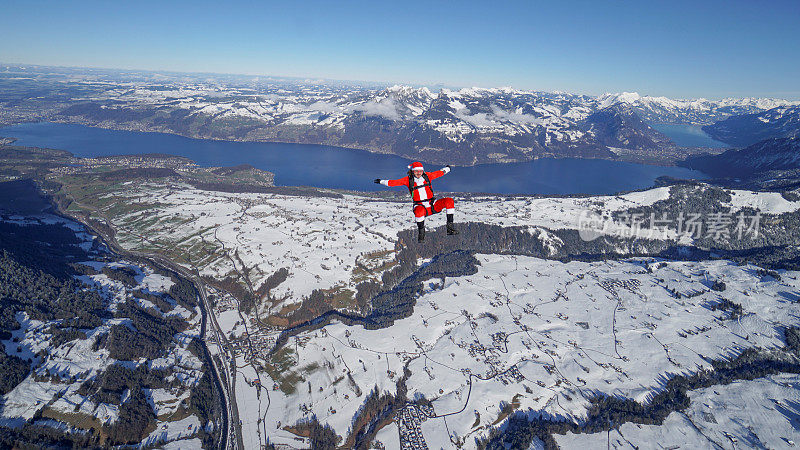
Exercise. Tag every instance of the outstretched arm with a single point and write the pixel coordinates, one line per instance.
(438, 173)
(391, 183)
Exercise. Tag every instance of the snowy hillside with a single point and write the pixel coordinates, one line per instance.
(758, 413)
(501, 335)
(115, 362)
(548, 336)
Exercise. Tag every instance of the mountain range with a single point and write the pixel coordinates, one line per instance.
(696, 111)
(748, 129)
(465, 126)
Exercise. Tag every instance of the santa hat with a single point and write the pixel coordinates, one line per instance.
(416, 166)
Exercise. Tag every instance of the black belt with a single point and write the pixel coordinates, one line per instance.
(422, 202)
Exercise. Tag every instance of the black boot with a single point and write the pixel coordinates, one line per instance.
(450, 228)
(421, 230)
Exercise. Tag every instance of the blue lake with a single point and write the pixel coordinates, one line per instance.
(334, 167)
(687, 135)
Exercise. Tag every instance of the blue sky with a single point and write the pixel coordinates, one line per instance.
(674, 48)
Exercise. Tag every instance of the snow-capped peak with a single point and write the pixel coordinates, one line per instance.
(404, 90)
(608, 99)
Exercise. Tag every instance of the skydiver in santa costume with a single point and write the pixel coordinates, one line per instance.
(418, 183)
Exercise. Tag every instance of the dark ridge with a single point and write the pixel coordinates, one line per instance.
(771, 154)
(771, 257)
(747, 129)
(22, 197)
(666, 180)
(27, 153)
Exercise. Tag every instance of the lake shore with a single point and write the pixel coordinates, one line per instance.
(341, 168)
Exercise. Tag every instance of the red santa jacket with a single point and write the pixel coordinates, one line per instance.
(421, 191)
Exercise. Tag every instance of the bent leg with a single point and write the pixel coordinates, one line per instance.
(446, 204)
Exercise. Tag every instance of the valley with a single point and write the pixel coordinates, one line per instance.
(327, 322)
(311, 317)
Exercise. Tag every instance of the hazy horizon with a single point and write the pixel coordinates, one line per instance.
(680, 49)
(434, 87)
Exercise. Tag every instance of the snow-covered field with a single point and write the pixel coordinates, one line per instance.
(539, 334)
(320, 240)
(522, 333)
(771, 202)
(323, 240)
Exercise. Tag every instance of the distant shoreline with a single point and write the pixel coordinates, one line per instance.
(319, 166)
(672, 162)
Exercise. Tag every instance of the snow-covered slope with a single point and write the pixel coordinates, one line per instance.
(82, 380)
(760, 413)
(748, 129)
(522, 331)
(537, 334)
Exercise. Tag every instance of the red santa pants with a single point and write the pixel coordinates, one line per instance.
(424, 209)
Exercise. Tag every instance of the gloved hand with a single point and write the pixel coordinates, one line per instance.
(377, 181)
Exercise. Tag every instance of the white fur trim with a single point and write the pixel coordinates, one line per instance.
(421, 191)
(385, 182)
(446, 170)
(420, 219)
(450, 210)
